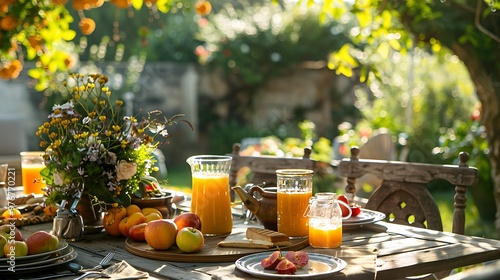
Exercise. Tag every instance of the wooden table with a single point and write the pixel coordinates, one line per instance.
(377, 251)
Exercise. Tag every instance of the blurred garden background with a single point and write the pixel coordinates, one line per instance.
(276, 76)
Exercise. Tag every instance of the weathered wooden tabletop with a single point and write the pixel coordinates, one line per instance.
(377, 251)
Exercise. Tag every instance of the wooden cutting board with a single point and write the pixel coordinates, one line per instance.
(210, 252)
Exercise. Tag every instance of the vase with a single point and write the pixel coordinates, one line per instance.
(91, 214)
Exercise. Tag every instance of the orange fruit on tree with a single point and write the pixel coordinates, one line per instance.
(8, 23)
(203, 7)
(11, 70)
(87, 26)
(12, 213)
(122, 4)
(112, 218)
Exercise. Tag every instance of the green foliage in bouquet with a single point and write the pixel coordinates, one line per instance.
(93, 147)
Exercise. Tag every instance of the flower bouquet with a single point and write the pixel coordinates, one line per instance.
(94, 148)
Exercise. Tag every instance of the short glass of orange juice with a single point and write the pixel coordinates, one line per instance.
(210, 195)
(294, 189)
(31, 165)
(325, 220)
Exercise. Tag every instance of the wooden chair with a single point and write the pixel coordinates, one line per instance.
(403, 195)
(263, 168)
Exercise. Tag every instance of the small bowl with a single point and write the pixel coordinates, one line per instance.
(165, 203)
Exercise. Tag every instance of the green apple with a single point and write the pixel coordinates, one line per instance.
(189, 240)
(15, 248)
(3, 241)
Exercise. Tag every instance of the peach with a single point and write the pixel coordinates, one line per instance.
(188, 219)
(152, 217)
(132, 208)
(41, 242)
(149, 210)
(130, 221)
(136, 232)
(160, 234)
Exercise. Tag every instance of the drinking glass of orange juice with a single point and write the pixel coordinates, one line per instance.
(210, 198)
(294, 192)
(31, 165)
(325, 220)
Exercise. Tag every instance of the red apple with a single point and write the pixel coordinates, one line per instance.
(298, 258)
(41, 242)
(11, 230)
(286, 267)
(355, 209)
(160, 234)
(188, 219)
(189, 240)
(130, 221)
(272, 261)
(136, 232)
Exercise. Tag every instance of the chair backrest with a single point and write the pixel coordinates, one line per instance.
(264, 168)
(403, 195)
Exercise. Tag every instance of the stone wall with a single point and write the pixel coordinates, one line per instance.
(176, 88)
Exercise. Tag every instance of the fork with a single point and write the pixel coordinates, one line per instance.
(104, 261)
(95, 269)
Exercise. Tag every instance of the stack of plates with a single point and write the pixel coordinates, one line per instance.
(31, 263)
(365, 217)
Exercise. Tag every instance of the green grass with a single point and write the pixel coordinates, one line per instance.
(179, 177)
(473, 224)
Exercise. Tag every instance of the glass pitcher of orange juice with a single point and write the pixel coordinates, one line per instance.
(294, 192)
(210, 198)
(325, 220)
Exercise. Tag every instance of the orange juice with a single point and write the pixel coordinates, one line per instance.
(325, 237)
(32, 180)
(212, 203)
(291, 208)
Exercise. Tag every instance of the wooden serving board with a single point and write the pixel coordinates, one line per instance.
(210, 252)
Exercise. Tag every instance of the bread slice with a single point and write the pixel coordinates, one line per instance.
(246, 243)
(277, 238)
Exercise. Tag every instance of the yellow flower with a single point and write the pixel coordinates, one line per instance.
(124, 143)
(119, 103)
(102, 118)
(116, 127)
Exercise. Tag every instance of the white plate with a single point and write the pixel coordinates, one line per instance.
(319, 266)
(31, 258)
(40, 267)
(365, 217)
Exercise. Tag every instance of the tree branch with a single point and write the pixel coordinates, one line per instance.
(478, 23)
